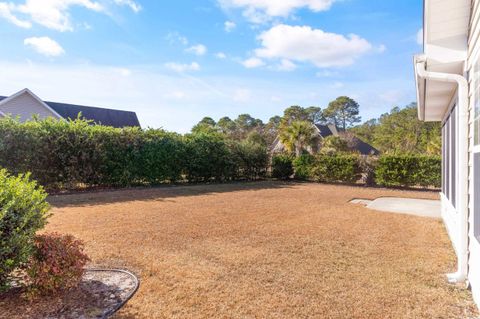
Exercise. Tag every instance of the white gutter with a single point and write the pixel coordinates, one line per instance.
(462, 249)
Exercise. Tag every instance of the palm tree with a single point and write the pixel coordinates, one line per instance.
(297, 136)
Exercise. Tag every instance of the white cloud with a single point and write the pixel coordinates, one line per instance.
(155, 94)
(198, 49)
(6, 13)
(419, 37)
(393, 97)
(45, 46)
(230, 26)
(220, 55)
(337, 85)
(176, 95)
(259, 11)
(175, 37)
(304, 44)
(123, 71)
(286, 65)
(326, 74)
(242, 95)
(253, 63)
(179, 67)
(53, 14)
(131, 4)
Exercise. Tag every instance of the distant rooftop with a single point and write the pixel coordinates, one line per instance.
(103, 116)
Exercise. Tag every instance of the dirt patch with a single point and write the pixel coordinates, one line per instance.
(267, 250)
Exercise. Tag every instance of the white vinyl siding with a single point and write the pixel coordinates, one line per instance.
(473, 71)
(25, 106)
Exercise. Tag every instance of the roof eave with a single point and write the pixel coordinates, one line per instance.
(446, 27)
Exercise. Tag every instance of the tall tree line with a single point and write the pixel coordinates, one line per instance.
(400, 131)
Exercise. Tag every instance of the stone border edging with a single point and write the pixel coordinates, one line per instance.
(110, 313)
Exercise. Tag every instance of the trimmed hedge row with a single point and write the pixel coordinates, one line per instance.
(388, 170)
(68, 155)
(406, 170)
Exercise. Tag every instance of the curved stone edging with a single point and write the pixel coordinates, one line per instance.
(111, 312)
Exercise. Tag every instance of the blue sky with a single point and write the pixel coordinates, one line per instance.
(174, 62)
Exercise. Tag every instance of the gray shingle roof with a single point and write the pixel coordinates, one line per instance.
(353, 142)
(362, 147)
(324, 130)
(107, 117)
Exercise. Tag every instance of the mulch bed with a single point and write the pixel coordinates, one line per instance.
(99, 295)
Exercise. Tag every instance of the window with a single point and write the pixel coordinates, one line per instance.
(447, 159)
(476, 195)
(449, 156)
(453, 156)
(443, 160)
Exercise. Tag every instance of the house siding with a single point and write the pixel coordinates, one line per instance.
(474, 170)
(24, 106)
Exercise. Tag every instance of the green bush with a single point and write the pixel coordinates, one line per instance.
(408, 171)
(162, 155)
(57, 264)
(337, 169)
(282, 167)
(303, 166)
(23, 211)
(207, 158)
(252, 160)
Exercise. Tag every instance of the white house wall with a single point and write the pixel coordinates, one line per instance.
(473, 58)
(24, 106)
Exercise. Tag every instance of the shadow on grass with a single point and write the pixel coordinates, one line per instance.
(160, 193)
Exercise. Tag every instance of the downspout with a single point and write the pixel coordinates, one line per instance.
(462, 268)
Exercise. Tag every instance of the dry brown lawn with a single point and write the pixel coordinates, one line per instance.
(267, 250)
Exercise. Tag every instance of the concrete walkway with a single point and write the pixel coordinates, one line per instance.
(417, 207)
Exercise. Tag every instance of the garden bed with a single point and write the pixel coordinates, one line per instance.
(100, 294)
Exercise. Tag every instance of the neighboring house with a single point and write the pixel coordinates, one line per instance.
(25, 104)
(448, 90)
(323, 131)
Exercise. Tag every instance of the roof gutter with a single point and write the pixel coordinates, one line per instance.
(461, 274)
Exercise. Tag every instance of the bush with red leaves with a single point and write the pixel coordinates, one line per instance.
(57, 264)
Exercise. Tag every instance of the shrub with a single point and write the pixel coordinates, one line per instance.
(207, 158)
(282, 167)
(251, 159)
(303, 166)
(162, 155)
(408, 171)
(337, 168)
(23, 211)
(57, 264)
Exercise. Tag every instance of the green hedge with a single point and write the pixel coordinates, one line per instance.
(387, 170)
(68, 155)
(407, 170)
(337, 169)
(303, 166)
(282, 167)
